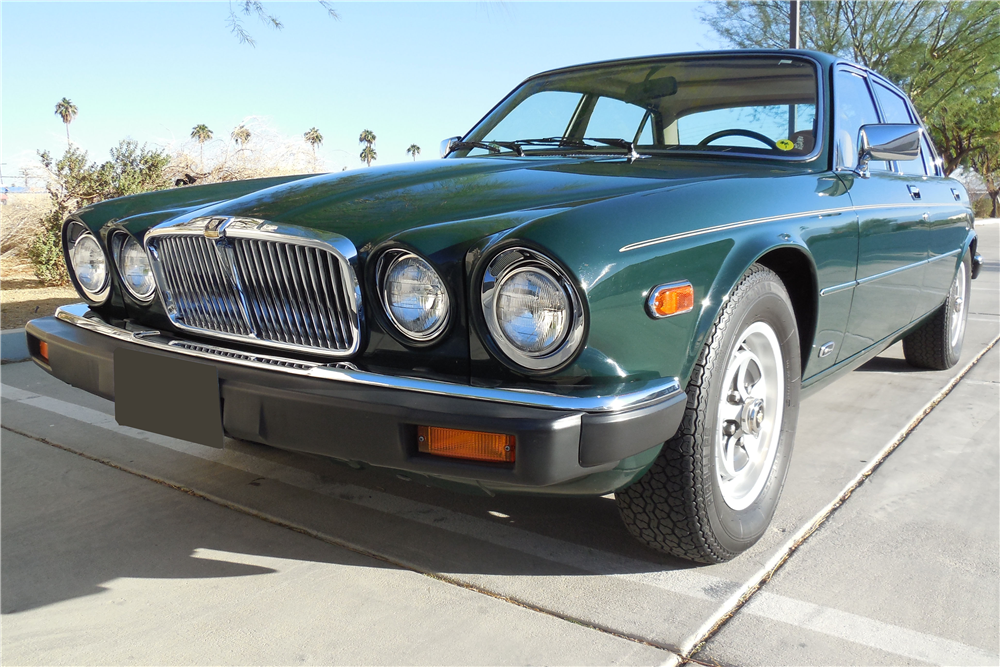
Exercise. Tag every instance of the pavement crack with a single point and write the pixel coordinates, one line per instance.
(354, 548)
(729, 611)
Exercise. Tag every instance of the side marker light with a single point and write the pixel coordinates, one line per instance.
(459, 444)
(43, 350)
(670, 299)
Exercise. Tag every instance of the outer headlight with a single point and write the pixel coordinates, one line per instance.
(413, 295)
(133, 266)
(532, 309)
(87, 262)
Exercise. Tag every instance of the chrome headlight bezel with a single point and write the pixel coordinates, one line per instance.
(118, 242)
(510, 263)
(389, 260)
(75, 232)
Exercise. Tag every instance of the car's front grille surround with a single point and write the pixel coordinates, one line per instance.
(271, 289)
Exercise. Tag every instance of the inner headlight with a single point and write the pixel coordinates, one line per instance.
(133, 267)
(532, 309)
(413, 294)
(87, 262)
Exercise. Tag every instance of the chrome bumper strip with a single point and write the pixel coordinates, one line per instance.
(644, 393)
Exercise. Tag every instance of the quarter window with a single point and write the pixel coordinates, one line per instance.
(894, 110)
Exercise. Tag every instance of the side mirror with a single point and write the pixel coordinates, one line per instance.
(446, 145)
(898, 142)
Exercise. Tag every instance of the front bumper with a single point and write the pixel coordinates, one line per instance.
(336, 410)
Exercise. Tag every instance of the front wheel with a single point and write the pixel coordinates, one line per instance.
(713, 490)
(937, 344)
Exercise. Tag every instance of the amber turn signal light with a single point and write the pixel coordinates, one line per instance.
(458, 444)
(670, 299)
(43, 350)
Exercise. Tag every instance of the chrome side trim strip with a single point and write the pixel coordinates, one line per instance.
(775, 218)
(899, 269)
(643, 394)
(837, 288)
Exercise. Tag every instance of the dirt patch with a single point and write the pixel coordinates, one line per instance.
(23, 297)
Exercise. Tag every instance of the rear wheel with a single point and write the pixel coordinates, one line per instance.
(712, 491)
(938, 343)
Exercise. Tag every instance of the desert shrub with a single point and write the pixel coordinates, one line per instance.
(982, 207)
(73, 183)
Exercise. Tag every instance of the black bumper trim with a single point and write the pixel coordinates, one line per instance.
(376, 425)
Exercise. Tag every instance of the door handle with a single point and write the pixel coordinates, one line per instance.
(914, 191)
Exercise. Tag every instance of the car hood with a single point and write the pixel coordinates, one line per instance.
(370, 205)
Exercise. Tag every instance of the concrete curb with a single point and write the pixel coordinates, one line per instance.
(13, 345)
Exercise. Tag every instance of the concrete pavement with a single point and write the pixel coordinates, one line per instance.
(566, 566)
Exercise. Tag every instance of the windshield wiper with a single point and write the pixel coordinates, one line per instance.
(491, 146)
(564, 142)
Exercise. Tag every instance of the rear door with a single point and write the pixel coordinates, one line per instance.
(943, 215)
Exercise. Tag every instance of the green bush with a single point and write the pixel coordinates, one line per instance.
(74, 183)
(982, 207)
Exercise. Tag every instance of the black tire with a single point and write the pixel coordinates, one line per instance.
(678, 506)
(933, 345)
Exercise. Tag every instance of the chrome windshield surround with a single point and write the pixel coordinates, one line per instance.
(261, 283)
(638, 394)
(501, 268)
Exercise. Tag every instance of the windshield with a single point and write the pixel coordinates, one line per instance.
(748, 105)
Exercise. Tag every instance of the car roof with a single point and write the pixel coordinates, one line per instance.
(819, 56)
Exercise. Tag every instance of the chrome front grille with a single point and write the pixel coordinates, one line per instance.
(275, 289)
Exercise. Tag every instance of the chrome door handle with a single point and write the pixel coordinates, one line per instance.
(914, 191)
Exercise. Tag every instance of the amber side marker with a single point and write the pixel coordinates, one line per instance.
(43, 350)
(671, 299)
(459, 444)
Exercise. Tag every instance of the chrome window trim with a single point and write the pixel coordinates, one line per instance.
(493, 277)
(638, 394)
(220, 228)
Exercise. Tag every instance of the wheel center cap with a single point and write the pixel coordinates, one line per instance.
(753, 416)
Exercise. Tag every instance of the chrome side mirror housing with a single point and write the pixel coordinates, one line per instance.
(446, 145)
(898, 142)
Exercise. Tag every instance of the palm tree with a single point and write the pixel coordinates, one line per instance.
(66, 110)
(202, 134)
(241, 135)
(368, 154)
(413, 150)
(313, 138)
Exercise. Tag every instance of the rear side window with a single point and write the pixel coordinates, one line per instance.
(894, 110)
(855, 108)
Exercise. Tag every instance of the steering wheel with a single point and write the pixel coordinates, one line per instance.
(736, 132)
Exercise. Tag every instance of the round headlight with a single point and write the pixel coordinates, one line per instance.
(532, 309)
(87, 261)
(133, 267)
(414, 296)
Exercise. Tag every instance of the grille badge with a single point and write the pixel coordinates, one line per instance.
(216, 227)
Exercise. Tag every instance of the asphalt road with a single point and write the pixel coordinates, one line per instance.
(120, 546)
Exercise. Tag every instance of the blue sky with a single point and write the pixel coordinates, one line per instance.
(411, 72)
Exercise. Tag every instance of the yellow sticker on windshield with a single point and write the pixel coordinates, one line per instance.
(785, 145)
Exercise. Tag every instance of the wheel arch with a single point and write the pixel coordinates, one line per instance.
(796, 269)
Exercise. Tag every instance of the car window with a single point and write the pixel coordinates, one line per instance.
(894, 110)
(544, 114)
(855, 108)
(735, 123)
(615, 119)
(649, 97)
(928, 156)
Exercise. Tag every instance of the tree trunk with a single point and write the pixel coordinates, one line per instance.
(994, 196)
(67, 136)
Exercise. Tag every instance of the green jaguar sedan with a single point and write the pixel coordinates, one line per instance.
(622, 279)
